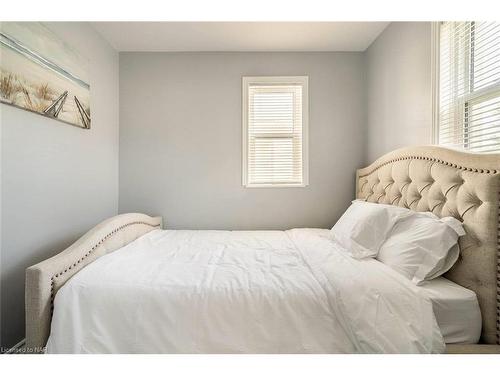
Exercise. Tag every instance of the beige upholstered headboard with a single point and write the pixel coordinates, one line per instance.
(44, 279)
(449, 183)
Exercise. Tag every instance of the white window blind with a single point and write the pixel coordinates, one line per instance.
(274, 131)
(469, 85)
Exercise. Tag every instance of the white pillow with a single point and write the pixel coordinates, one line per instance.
(422, 246)
(364, 226)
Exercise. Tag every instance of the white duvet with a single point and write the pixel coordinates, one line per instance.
(180, 291)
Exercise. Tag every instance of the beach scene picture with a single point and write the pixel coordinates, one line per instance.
(41, 73)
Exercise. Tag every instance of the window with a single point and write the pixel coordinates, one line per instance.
(275, 114)
(467, 110)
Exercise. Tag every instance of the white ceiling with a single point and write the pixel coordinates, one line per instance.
(240, 36)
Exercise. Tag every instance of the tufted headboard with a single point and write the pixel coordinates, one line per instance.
(449, 183)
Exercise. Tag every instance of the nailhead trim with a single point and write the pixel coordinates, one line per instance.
(100, 242)
(427, 158)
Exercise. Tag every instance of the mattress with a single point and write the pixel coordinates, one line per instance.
(456, 309)
(296, 291)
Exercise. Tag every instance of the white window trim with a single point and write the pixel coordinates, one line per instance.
(435, 82)
(302, 80)
(435, 27)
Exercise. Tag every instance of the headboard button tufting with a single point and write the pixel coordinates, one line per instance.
(458, 184)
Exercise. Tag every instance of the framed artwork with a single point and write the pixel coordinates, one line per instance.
(41, 73)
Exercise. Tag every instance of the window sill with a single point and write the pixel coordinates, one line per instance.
(274, 185)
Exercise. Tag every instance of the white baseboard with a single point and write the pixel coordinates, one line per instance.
(16, 347)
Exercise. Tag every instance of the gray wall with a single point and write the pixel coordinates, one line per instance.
(398, 88)
(57, 180)
(180, 139)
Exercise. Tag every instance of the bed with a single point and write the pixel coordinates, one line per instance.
(279, 291)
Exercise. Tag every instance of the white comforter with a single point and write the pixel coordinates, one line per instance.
(174, 291)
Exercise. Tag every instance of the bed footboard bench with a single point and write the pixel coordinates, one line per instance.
(44, 279)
